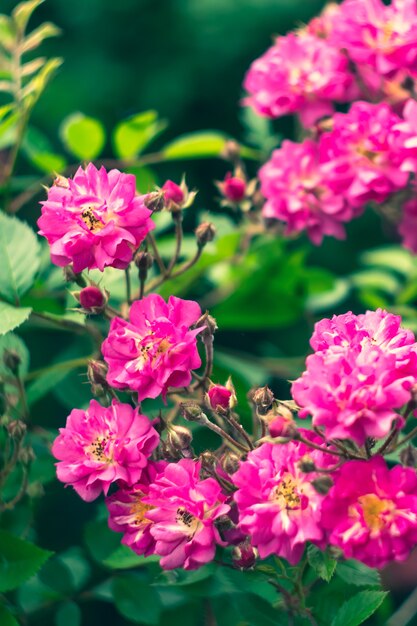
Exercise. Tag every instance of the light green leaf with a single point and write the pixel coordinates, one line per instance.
(7, 33)
(357, 609)
(136, 600)
(19, 258)
(196, 146)
(37, 36)
(23, 12)
(12, 317)
(35, 87)
(83, 136)
(19, 560)
(40, 153)
(394, 258)
(131, 136)
(6, 618)
(376, 280)
(321, 562)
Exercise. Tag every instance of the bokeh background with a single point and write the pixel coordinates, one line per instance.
(186, 59)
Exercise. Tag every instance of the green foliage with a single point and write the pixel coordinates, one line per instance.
(6, 618)
(12, 317)
(83, 136)
(321, 562)
(19, 560)
(136, 600)
(131, 136)
(357, 609)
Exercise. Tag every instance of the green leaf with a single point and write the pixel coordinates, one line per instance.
(131, 136)
(394, 258)
(68, 614)
(136, 600)
(83, 136)
(23, 12)
(376, 280)
(197, 145)
(36, 86)
(10, 341)
(6, 618)
(67, 572)
(37, 36)
(357, 609)
(40, 153)
(321, 562)
(7, 33)
(19, 258)
(19, 560)
(11, 317)
(358, 574)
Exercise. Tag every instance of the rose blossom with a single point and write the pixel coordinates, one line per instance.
(155, 349)
(382, 37)
(183, 510)
(301, 74)
(360, 375)
(128, 513)
(278, 506)
(102, 445)
(367, 145)
(302, 192)
(371, 511)
(95, 219)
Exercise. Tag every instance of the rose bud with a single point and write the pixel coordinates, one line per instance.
(221, 398)
(92, 299)
(280, 422)
(244, 555)
(173, 193)
(233, 188)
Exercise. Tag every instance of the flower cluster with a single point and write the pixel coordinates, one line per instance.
(360, 375)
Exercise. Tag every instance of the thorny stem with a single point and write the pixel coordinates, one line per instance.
(223, 434)
(128, 286)
(178, 239)
(156, 254)
(71, 325)
(239, 428)
(389, 439)
(404, 440)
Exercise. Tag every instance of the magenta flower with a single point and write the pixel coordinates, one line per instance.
(383, 37)
(359, 377)
(408, 225)
(300, 74)
(302, 191)
(102, 445)
(278, 506)
(219, 397)
(366, 145)
(173, 193)
(156, 349)
(128, 513)
(233, 187)
(371, 511)
(183, 511)
(95, 219)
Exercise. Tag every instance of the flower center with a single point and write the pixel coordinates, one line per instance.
(286, 493)
(139, 510)
(187, 520)
(373, 509)
(93, 224)
(99, 451)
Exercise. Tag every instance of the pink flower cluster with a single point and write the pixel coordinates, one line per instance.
(94, 220)
(156, 349)
(278, 506)
(102, 445)
(359, 376)
(173, 516)
(319, 185)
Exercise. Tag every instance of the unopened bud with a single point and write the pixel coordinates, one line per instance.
(26, 455)
(233, 187)
(155, 201)
(306, 464)
(231, 151)
(12, 360)
(218, 398)
(408, 456)
(262, 398)
(230, 462)
(97, 372)
(205, 233)
(209, 325)
(179, 437)
(61, 181)
(280, 421)
(174, 195)
(224, 525)
(208, 461)
(244, 555)
(143, 260)
(192, 412)
(16, 429)
(92, 299)
(322, 484)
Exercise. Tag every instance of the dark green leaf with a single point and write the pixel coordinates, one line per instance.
(68, 614)
(323, 565)
(6, 618)
(19, 560)
(136, 600)
(357, 609)
(19, 258)
(358, 574)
